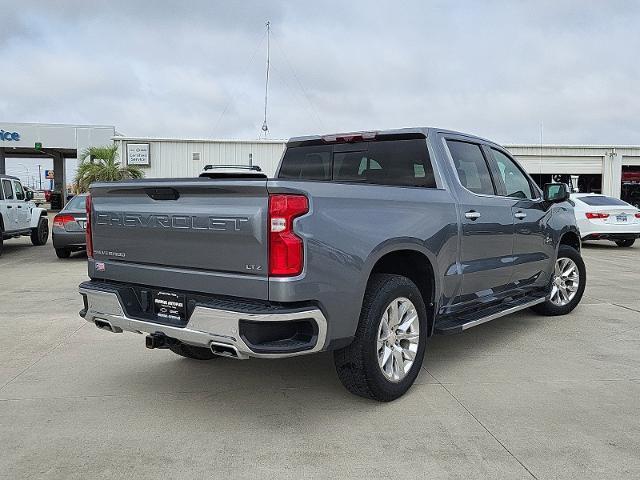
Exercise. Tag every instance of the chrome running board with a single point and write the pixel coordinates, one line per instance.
(465, 322)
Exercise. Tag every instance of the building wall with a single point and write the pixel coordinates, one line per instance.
(175, 158)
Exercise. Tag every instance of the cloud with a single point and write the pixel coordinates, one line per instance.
(196, 69)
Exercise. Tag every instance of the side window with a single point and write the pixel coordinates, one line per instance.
(19, 190)
(514, 180)
(8, 189)
(471, 167)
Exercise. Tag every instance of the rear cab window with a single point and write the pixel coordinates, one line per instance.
(387, 160)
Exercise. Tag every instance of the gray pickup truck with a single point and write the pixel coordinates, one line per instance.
(364, 243)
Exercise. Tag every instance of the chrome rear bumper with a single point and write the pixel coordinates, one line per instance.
(206, 327)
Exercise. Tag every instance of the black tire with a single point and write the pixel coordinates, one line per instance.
(357, 364)
(551, 309)
(1, 241)
(626, 243)
(189, 351)
(63, 252)
(40, 234)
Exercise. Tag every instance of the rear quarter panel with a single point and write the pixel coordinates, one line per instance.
(349, 227)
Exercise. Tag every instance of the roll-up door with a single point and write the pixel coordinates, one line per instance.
(566, 165)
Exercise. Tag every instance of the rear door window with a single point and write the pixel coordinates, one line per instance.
(390, 162)
(8, 189)
(471, 167)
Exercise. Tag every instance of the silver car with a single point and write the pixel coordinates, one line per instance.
(69, 227)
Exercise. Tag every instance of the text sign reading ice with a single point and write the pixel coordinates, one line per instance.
(137, 153)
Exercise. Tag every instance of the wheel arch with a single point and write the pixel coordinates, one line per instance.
(570, 238)
(36, 215)
(416, 264)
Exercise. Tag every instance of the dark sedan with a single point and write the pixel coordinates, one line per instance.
(69, 227)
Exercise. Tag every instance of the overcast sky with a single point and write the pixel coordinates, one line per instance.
(195, 69)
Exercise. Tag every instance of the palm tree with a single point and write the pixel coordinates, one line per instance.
(100, 164)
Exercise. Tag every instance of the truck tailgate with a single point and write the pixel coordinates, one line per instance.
(202, 225)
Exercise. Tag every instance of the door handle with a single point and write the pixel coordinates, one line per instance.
(520, 215)
(19, 206)
(472, 215)
(9, 206)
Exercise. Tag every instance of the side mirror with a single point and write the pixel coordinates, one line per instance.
(556, 192)
(28, 195)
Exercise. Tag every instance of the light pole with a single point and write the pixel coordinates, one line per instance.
(40, 176)
(26, 169)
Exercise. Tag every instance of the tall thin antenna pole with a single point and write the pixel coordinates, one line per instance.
(541, 141)
(265, 128)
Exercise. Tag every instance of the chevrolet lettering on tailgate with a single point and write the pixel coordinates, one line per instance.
(182, 222)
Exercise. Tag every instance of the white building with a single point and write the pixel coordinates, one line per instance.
(171, 157)
(603, 163)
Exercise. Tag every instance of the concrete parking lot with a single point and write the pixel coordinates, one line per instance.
(520, 397)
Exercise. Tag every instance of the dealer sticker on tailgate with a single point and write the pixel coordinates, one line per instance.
(169, 305)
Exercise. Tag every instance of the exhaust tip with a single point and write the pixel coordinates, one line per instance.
(103, 324)
(225, 350)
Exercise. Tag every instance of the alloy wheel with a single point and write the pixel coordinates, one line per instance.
(398, 338)
(565, 282)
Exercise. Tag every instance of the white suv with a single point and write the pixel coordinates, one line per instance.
(19, 215)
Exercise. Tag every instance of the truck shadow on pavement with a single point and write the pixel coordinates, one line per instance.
(255, 390)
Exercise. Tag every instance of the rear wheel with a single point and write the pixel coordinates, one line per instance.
(63, 252)
(626, 243)
(189, 351)
(385, 357)
(40, 234)
(569, 280)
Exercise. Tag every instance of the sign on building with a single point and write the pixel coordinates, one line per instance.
(138, 154)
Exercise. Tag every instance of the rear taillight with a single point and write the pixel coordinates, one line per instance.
(286, 249)
(89, 239)
(637, 215)
(60, 220)
(592, 215)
